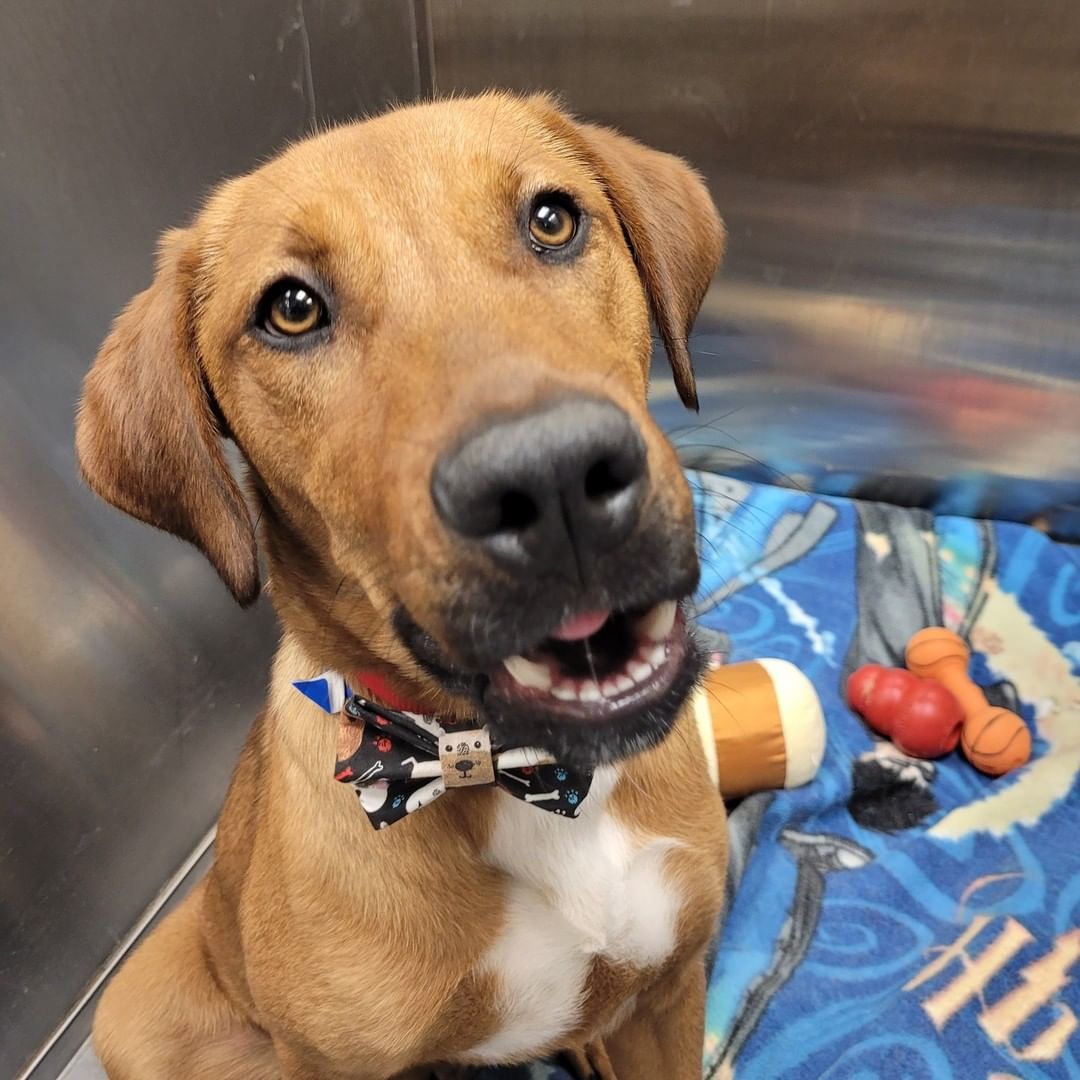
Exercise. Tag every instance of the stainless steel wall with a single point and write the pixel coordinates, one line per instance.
(901, 181)
(127, 678)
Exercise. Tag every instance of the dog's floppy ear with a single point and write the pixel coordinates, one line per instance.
(671, 225)
(146, 436)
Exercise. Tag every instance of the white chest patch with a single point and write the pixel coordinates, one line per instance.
(579, 888)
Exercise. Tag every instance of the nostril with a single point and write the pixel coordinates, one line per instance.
(517, 512)
(608, 477)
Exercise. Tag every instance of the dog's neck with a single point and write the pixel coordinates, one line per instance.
(339, 624)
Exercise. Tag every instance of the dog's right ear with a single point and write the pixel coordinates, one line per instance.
(146, 436)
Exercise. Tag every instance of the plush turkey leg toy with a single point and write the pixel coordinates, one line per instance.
(762, 726)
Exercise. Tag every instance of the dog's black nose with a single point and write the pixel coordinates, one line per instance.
(551, 490)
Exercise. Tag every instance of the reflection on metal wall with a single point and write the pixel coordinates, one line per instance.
(127, 678)
(901, 181)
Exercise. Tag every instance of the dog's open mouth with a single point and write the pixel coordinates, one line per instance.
(598, 664)
(601, 686)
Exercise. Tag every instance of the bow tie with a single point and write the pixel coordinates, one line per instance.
(399, 761)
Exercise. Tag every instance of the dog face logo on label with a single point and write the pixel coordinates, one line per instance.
(466, 759)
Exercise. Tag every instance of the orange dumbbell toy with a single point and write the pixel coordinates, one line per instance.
(994, 740)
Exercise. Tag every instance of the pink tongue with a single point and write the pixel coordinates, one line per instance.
(581, 626)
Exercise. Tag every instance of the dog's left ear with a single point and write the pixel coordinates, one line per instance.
(670, 222)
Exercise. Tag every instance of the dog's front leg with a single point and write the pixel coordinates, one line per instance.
(665, 1034)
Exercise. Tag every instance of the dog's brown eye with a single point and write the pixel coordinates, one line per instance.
(553, 222)
(290, 309)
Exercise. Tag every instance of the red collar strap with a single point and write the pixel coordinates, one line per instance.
(380, 690)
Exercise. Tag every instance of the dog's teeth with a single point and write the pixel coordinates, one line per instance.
(624, 683)
(610, 687)
(657, 624)
(564, 692)
(656, 655)
(590, 691)
(528, 673)
(638, 671)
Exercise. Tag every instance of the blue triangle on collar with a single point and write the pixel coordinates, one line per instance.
(317, 690)
(328, 690)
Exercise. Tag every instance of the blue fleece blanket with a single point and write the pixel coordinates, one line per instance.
(897, 918)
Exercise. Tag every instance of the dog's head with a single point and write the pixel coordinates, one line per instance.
(428, 334)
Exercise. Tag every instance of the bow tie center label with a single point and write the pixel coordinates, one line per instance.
(466, 759)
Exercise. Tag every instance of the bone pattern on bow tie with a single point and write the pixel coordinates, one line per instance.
(392, 759)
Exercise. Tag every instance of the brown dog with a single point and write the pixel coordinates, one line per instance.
(428, 335)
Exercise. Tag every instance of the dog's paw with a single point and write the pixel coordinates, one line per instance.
(589, 1062)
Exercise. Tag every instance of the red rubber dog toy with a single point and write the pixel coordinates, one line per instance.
(920, 716)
